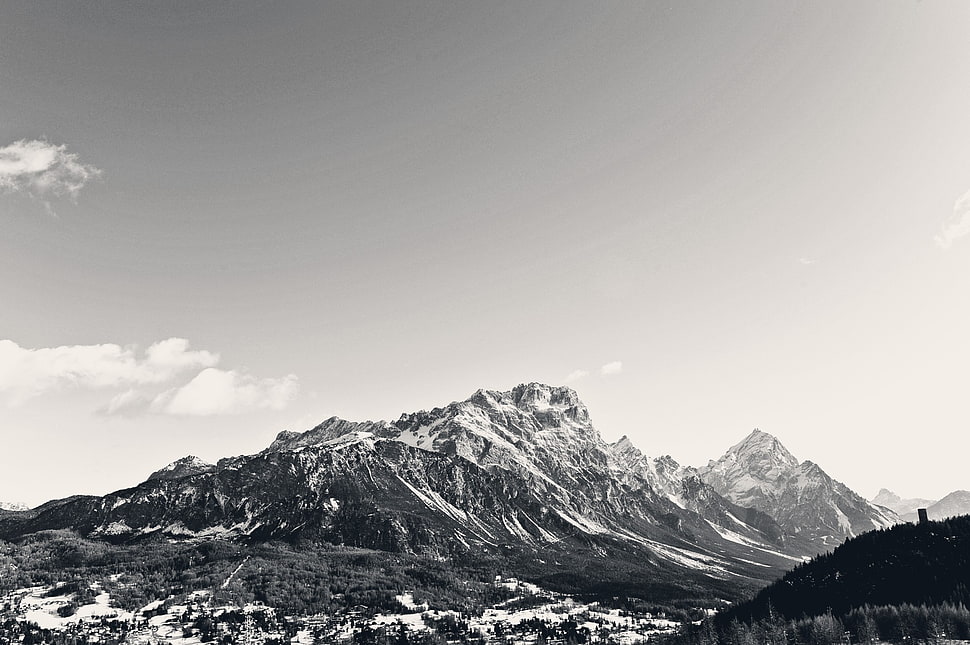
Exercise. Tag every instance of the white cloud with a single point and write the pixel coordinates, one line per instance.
(41, 169)
(174, 355)
(957, 225)
(806, 261)
(215, 391)
(611, 368)
(25, 373)
(575, 375)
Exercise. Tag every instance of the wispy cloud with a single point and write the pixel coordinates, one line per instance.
(215, 391)
(806, 261)
(25, 373)
(42, 169)
(168, 378)
(957, 225)
(609, 369)
(575, 375)
(130, 403)
(612, 368)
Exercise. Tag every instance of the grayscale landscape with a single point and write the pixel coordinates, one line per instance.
(388, 323)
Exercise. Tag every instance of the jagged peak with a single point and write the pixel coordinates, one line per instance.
(183, 467)
(623, 446)
(488, 415)
(527, 397)
(810, 473)
(626, 453)
(481, 396)
(187, 460)
(757, 437)
(530, 398)
(667, 461)
(326, 431)
(898, 504)
(286, 435)
(542, 394)
(759, 443)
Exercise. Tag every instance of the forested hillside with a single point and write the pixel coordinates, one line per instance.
(907, 581)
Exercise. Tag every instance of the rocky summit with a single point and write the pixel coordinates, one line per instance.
(806, 502)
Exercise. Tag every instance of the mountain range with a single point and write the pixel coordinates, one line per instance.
(520, 475)
(951, 505)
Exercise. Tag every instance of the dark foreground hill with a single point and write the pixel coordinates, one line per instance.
(907, 582)
(907, 563)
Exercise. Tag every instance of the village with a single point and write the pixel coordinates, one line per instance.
(51, 614)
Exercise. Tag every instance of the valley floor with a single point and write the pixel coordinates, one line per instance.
(47, 614)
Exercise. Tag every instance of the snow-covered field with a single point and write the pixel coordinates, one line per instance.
(38, 606)
(550, 608)
(175, 620)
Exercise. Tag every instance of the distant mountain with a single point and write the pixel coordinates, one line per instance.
(13, 506)
(956, 503)
(902, 507)
(760, 473)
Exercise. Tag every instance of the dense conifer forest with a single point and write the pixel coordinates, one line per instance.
(897, 584)
(308, 577)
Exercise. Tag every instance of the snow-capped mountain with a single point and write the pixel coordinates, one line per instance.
(902, 507)
(13, 506)
(752, 473)
(520, 472)
(521, 475)
(544, 435)
(538, 432)
(760, 473)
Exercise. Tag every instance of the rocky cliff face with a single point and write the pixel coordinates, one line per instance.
(543, 436)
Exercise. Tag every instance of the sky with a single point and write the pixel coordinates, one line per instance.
(222, 220)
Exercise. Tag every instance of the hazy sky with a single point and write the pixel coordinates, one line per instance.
(222, 220)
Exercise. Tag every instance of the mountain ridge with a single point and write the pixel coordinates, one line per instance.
(902, 507)
(520, 473)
